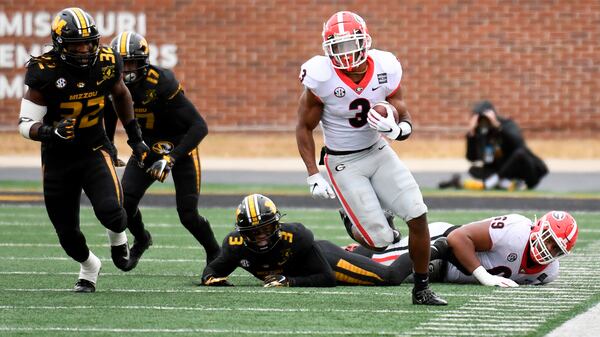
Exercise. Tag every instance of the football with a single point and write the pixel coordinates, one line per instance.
(382, 108)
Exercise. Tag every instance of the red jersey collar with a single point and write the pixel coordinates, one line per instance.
(361, 86)
(536, 268)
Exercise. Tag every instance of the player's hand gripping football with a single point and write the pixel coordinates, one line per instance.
(161, 168)
(319, 187)
(385, 125)
(65, 129)
(275, 280)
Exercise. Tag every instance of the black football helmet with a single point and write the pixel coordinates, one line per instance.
(133, 47)
(74, 25)
(257, 221)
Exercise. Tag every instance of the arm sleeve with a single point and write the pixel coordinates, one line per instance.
(316, 270)
(110, 119)
(511, 134)
(186, 114)
(223, 265)
(473, 153)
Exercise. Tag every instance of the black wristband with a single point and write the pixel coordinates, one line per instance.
(401, 136)
(45, 133)
(134, 133)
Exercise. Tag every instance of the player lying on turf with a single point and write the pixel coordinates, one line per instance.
(503, 251)
(286, 254)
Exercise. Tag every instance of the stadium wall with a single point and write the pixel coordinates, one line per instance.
(538, 61)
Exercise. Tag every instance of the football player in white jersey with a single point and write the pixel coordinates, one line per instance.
(367, 176)
(503, 251)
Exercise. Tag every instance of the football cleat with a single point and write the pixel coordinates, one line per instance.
(120, 256)
(453, 182)
(84, 286)
(427, 297)
(137, 250)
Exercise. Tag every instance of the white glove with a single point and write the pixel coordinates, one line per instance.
(488, 279)
(319, 187)
(387, 125)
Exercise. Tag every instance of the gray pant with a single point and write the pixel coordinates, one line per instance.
(372, 180)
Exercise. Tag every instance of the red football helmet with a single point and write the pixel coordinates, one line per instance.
(552, 236)
(346, 40)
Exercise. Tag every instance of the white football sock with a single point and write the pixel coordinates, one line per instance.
(90, 268)
(491, 181)
(116, 239)
(505, 183)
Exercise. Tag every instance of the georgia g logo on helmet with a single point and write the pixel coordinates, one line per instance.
(553, 236)
(346, 40)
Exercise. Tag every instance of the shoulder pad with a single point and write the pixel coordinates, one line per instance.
(233, 239)
(153, 75)
(518, 218)
(167, 84)
(302, 236)
(107, 55)
(388, 61)
(316, 70)
(40, 71)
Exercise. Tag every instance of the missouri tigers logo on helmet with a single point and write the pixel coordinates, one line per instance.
(134, 49)
(257, 221)
(74, 25)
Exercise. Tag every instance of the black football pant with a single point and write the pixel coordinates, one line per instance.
(186, 175)
(355, 269)
(523, 164)
(65, 176)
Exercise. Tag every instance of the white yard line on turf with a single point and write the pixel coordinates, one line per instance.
(577, 283)
(586, 324)
(230, 332)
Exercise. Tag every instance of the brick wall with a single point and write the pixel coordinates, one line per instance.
(538, 61)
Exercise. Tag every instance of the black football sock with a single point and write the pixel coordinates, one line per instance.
(421, 281)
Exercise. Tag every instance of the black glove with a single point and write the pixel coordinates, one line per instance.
(276, 280)
(135, 141)
(161, 168)
(64, 130)
(216, 281)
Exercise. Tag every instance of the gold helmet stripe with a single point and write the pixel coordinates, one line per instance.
(252, 207)
(123, 43)
(82, 23)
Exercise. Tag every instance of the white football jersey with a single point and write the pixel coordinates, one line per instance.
(346, 104)
(510, 237)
